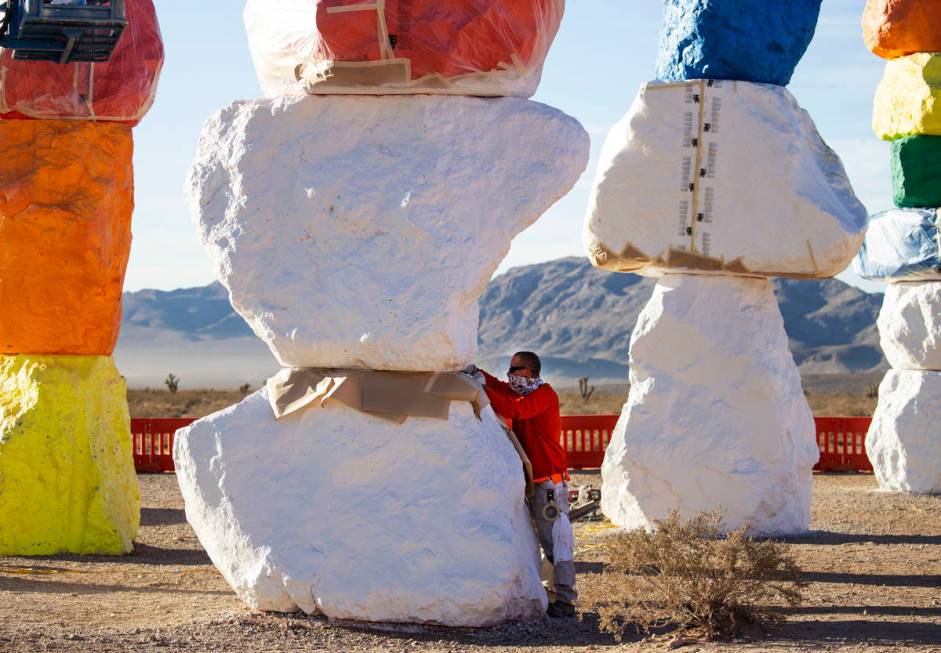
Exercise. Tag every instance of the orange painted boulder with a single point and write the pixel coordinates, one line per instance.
(66, 198)
(121, 89)
(895, 28)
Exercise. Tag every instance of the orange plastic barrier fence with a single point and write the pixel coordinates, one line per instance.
(842, 442)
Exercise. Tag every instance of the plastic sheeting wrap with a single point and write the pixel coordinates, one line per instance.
(895, 28)
(908, 100)
(121, 89)
(721, 178)
(901, 244)
(459, 47)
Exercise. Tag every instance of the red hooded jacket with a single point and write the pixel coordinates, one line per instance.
(536, 422)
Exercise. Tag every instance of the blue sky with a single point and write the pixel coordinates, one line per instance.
(603, 53)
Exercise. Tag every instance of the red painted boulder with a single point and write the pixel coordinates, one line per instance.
(461, 47)
(121, 89)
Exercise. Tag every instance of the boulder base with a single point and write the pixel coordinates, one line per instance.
(748, 40)
(67, 481)
(359, 232)
(908, 100)
(336, 512)
(66, 199)
(916, 171)
(903, 442)
(721, 178)
(895, 28)
(910, 325)
(716, 418)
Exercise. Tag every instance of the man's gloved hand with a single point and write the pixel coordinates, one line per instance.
(474, 372)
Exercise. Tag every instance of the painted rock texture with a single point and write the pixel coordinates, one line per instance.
(721, 177)
(910, 325)
(901, 244)
(716, 418)
(903, 442)
(66, 199)
(748, 40)
(120, 89)
(908, 100)
(65, 457)
(916, 171)
(896, 28)
(65, 235)
(301, 514)
(462, 47)
(359, 232)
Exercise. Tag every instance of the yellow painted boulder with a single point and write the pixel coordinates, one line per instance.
(66, 198)
(908, 101)
(67, 481)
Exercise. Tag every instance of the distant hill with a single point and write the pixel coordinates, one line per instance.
(578, 318)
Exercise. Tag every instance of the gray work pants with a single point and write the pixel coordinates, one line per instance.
(562, 582)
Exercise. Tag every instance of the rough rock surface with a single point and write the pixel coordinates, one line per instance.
(916, 171)
(903, 442)
(120, 89)
(337, 512)
(753, 188)
(908, 100)
(895, 28)
(66, 199)
(748, 40)
(901, 244)
(360, 232)
(67, 482)
(910, 325)
(716, 417)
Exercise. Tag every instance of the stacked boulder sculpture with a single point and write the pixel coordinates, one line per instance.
(67, 481)
(902, 246)
(355, 226)
(715, 181)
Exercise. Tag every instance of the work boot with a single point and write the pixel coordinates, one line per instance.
(561, 610)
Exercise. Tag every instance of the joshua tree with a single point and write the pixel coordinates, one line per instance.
(584, 390)
(245, 388)
(172, 383)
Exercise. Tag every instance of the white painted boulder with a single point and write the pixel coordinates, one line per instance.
(721, 178)
(910, 325)
(359, 232)
(903, 442)
(716, 418)
(336, 512)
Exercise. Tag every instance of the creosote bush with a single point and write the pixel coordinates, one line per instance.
(691, 576)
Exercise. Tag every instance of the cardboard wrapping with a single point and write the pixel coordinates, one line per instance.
(120, 89)
(720, 177)
(393, 396)
(461, 47)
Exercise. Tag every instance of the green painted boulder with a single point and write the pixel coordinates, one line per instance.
(916, 172)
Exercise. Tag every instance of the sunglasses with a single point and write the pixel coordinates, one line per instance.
(513, 370)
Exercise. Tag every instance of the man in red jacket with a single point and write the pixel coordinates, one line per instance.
(533, 408)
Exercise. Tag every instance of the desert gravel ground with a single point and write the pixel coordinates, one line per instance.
(873, 561)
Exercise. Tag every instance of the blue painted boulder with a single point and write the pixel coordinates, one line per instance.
(749, 40)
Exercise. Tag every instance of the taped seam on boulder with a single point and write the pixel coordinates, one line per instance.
(393, 396)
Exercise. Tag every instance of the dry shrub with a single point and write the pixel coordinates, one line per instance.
(689, 575)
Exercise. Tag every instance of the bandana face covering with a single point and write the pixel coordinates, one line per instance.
(521, 385)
